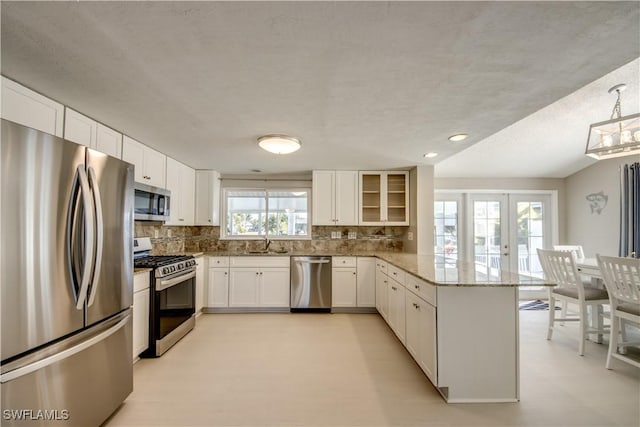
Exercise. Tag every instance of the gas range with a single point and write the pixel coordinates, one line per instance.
(171, 298)
(165, 265)
(162, 265)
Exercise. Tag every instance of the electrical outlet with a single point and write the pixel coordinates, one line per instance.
(410, 235)
(169, 233)
(335, 234)
(156, 233)
(352, 235)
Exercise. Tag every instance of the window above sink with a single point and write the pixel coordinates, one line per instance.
(255, 213)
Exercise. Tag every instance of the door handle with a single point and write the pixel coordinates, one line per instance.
(97, 200)
(89, 236)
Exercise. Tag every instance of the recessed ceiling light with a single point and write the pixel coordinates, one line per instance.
(430, 155)
(458, 137)
(279, 144)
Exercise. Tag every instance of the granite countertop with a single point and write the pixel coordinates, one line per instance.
(427, 267)
(141, 270)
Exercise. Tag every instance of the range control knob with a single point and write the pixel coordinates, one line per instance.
(165, 270)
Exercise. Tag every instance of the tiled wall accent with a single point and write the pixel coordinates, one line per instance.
(207, 239)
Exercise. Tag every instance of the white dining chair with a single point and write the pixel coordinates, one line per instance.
(575, 249)
(622, 279)
(560, 267)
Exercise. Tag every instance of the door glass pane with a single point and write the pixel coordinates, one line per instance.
(446, 230)
(529, 237)
(487, 239)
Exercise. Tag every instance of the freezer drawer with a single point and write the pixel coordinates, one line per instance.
(80, 382)
(311, 283)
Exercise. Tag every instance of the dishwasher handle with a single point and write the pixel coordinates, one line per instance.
(314, 261)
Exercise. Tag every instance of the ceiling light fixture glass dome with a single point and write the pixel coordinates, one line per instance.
(458, 137)
(279, 144)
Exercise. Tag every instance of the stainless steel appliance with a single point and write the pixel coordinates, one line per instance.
(172, 305)
(66, 280)
(151, 203)
(311, 283)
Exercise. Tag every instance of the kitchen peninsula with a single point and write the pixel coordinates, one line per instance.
(460, 327)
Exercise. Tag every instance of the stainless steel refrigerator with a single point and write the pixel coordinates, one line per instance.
(66, 280)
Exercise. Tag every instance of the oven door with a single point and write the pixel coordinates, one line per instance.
(174, 304)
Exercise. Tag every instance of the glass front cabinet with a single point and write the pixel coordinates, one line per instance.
(384, 198)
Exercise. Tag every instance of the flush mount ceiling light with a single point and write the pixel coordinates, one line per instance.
(619, 136)
(279, 144)
(458, 137)
(430, 155)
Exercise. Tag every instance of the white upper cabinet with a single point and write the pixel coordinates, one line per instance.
(181, 183)
(108, 141)
(384, 198)
(28, 108)
(149, 164)
(81, 129)
(335, 197)
(207, 197)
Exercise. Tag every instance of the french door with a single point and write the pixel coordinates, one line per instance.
(505, 231)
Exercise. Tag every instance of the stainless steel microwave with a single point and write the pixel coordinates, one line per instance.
(151, 203)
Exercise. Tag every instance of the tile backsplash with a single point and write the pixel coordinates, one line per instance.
(175, 239)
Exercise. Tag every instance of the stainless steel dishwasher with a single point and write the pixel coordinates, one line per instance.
(311, 283)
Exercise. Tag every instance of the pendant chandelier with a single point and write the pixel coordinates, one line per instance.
(619, 136)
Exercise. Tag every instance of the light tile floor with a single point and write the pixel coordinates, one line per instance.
(350, 370)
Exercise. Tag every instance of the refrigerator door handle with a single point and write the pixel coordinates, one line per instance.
(43, 363)
(89, 237)
(93, 181)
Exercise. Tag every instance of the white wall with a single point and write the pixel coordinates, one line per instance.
(420, 211)
(597, 233)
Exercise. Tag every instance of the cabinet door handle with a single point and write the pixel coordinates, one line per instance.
(257, 273)
(354, 273)
(394, 288)
(417, 287)
(181, 219)
(209, 220)
(225, 273)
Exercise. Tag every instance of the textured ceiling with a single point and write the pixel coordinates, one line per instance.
(367, 85)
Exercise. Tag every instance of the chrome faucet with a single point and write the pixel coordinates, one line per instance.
(267, 242)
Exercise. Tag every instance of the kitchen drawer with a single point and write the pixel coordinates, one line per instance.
(396, 273)
(141, 281)
(421, 288)
(381, 266)
(343, 261)
(259, 261)
(218, 261)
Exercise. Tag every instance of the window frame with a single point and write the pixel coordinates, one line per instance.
(224, 214)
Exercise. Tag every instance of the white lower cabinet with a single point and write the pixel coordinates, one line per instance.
(243, 287)
(396, 317)
(382, 296)
(366, 282)
(274, 287)
(200, 283)
(259, 282)
(218, 292)
(218, 282)
(343, 287)
(421, 334)
(141, 300)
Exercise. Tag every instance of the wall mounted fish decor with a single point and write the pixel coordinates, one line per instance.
(597, 202)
